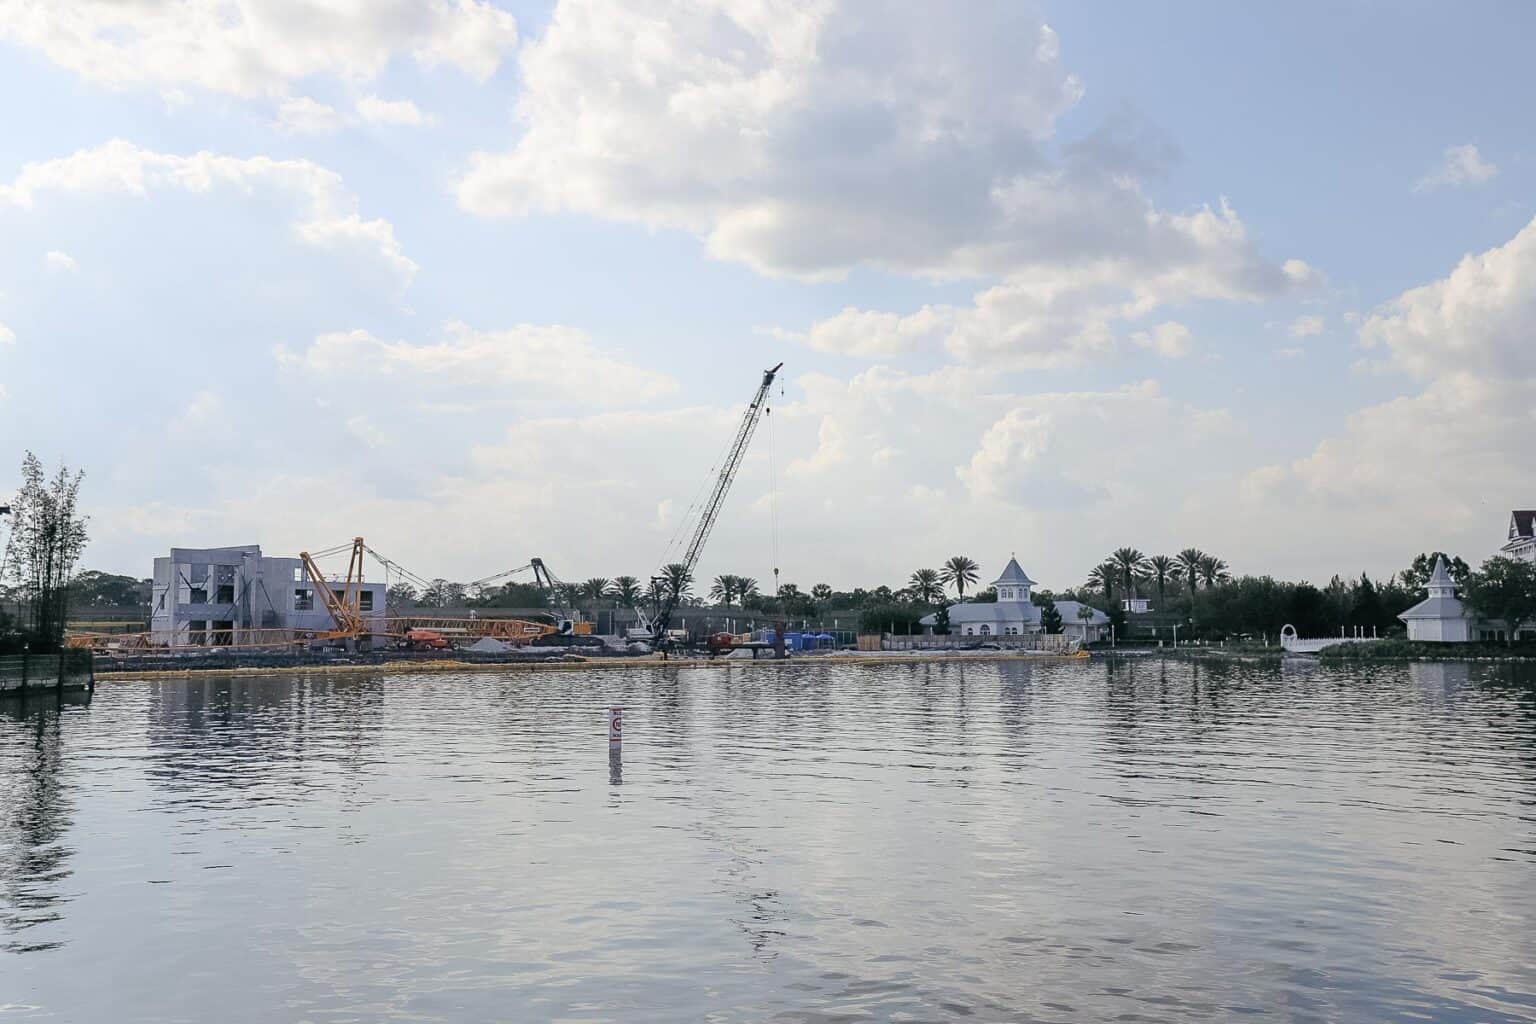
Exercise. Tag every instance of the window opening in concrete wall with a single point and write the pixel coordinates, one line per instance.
(298, 574)
(197, 634)
(199, 595)
(223, 632)
(225, 594)
(365, 601)
(303, 599)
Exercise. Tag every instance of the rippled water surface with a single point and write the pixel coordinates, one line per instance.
(999, 842)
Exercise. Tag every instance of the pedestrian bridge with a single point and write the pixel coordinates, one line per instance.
(1312, 644)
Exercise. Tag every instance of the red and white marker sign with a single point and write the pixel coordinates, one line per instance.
(615, 725)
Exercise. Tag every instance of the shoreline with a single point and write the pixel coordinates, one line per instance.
(641, 661)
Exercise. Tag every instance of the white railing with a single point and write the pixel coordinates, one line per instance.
(1312, 644)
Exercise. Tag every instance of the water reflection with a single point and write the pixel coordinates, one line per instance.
(1149, 840)
(34, 821)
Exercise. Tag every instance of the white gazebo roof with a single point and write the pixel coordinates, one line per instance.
(1013, 576)
(1442, 602)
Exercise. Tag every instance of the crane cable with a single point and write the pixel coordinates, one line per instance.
(773, 500)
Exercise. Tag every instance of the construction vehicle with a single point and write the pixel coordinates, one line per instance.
(567, 621)
(424, 640)
(657, 626)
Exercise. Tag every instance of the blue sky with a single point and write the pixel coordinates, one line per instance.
(485, 281)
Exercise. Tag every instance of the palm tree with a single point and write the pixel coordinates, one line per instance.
(1132, 564)
(1103, 577)
(1190, 560)
(1161, 569)
(746, 587)
(1213, 571)
(724, 589)
(959, 572)
(596, 588)
(626, 589)
(822, 593)
(927, 586)
(677, 580)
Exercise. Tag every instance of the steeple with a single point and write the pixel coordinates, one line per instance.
(1013, 576)
(1440, 583)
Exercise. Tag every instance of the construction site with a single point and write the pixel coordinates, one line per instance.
(236, 600)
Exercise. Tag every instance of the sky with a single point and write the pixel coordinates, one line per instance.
(481, 281)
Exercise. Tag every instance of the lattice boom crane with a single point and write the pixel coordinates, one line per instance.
(711, 511)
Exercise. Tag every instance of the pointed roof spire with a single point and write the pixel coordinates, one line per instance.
(1013, 576)
(1440, 579)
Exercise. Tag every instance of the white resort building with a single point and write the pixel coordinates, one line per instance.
(1442, 617)
(1522, 536)
(1014, 614)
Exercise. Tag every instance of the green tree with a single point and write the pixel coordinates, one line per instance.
(676, 580)
(597, 588)
(1190, 560)
(822, 594)
(1050, 618)
(1131, 564)
(1416, 576)
(927, 586)
(47, 536)
(941, 621)
(626, 589)
(725, 590)
(960, 571)
(1213, 571)
(401, 595)
(1161, 569)
(1103, 577)
(1504, 588)
(92, 588)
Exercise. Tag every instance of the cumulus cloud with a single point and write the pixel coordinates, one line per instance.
(1459, 166)
(806, 139)
(1433, 462)
(59, 262)
(306, 116)
(545, 362)
(1306, 326)
(394, 112)
(1080, 448)
(1170, 339)
(250, 47)
(327, 215)
(809, 138)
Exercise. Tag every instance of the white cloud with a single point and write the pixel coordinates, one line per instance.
(1073, 449)
(394, 112)
(545, 362)
(250, 47)
(7, 336)
(59, 261)
(1432, 463)
(1171, 340)
(306, 116)
(1461, 165)
(807, 139)
(1306, 327)
(327, 215)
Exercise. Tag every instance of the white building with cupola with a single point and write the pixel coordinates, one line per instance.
(1014, 613)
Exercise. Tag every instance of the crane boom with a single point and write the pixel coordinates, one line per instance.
(711, 511)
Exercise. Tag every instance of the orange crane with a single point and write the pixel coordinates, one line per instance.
(345, 608)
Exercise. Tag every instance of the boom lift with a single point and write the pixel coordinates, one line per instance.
(711, 511)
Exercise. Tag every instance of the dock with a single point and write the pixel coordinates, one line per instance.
(71, 671)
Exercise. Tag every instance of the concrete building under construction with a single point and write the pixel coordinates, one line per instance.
(218, 597)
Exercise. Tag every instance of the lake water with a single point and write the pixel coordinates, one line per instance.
(987, 841)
